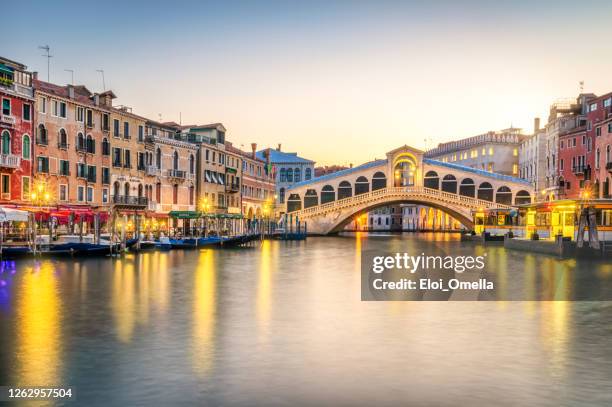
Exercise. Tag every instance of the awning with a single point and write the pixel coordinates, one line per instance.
(232, 170)
(13, 215)
(221, 180)
(207, 175)
(213, 175)
(184, 214)
(6, 69)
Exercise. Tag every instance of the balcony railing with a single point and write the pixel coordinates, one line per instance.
(10, 161)
(579, 169)
(180, 174)
(43, 141)
(152, 171)
(232, 188)
(130, 200)
(63, 146)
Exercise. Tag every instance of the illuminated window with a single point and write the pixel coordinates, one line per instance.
(514, 169)
(515, 152)
(490, 150)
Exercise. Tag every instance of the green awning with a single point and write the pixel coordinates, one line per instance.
(232, 170)
(184, 214)
(6, 69)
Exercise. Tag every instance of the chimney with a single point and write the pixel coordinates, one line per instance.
(536, 125)
(35, 75)
(279, 147)
(71, 91)
(254, 149)
(96, 99)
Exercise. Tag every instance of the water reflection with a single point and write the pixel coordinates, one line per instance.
(122, 299)
(264, 289)
(39, 341)
(204, 313)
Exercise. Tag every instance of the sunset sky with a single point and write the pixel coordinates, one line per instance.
(338, 82)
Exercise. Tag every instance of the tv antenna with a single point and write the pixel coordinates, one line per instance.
(581, 85)
(103, 82)
(71, 75)
(48, 56)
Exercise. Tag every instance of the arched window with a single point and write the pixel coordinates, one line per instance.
(328, 194)
(90, 144)
(485, 191)
(345, 190)
(379, 181)
(307, 174)
(283, 175)
(191, 164)
(362, 185)
(281, 195)
(80, 142)
(289, 175)
(449, 184)
(105, 146)
(26, 148)
(63, 139)
(294, 203)
(158, 158)
(522, 197)
(175, 161)
(467, 187)
(126, 189)
(139, 190)
(116, 188)
(310, 198)
(503, 195)
(42, 135)
(608, 154)
(191, 194)
(431, 180)
(6, 142)
(297, 175)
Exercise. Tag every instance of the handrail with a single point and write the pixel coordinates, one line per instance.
(402, 191)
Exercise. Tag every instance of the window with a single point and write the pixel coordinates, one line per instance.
(175, 194)
(42, 105)
(25, 188)
(42, 135)
(90, 122)
(104, 195)
(91, 145)
(64, 167)
(514, 169)
(58, 108)
(593, 107)
(62, 141)
(598, 131)
(81, 170)
(105, 122)
(105, 175)
(597, 157)
(126, 130)
(80, 193)
(515, 152)
(490, 150)
(127, 163)
(26, 147)
(116, 157)
(63, 192)
(115, 128)
(90, 194)
(43, 164)
(561, 164)
(6, 107)
(91, 173)
(6, 186)
(140, 133)
(80, 142)
(27, 112)
(308, 174)
(6, 142)
(105, 146)
(80, 114)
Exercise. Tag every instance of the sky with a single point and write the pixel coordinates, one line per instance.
(339, 82)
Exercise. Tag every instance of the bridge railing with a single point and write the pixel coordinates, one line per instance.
(400, 191)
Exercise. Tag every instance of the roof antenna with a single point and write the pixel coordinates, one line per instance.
(159, 114)
(581, 85)
(180, 118)
(103, 82)
(48, 56)
(71, 75)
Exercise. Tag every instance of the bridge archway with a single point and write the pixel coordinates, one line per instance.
(311, 198)
(327, 194)
(522, 197)
(350, 216)
(467, 187)
(345, 190)
(431, 180)
(379, 181)
(362, 185)
(485, 191)
(503, 195)
(294, 203)
(449, 184)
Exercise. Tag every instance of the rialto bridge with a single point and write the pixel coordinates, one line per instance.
(330, 202)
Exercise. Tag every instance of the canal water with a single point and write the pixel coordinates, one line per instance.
(281, 323)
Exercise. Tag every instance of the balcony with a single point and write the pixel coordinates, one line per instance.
(42, 140)
(152, 171)
(178, 174)
(579, 169)
(130, 200)
(10, 161)
(6, 119)
(232, 188)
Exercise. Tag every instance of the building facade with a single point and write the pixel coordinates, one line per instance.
(600, 124)
(16, 132)
(532, 157)
(287, 169)
(258, 189)
(495, 151)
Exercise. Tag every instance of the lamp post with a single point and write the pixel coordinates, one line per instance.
(204, 207)
(39, 197)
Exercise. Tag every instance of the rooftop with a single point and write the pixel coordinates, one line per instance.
(483, 173)
(341, 173)
(280, 157)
